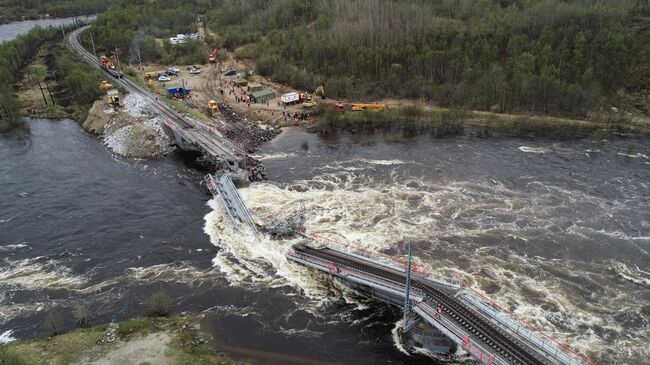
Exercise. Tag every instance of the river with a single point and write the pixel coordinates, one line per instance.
(12, 30)
(559, 232)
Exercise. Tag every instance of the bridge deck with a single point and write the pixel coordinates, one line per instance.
(485, 339)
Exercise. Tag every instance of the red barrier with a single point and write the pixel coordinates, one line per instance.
(423, 270)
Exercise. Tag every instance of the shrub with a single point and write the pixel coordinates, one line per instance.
(158, 305)
(81, 315)
(53, 323)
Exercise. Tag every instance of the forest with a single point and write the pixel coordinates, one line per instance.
(77, 78)
(542, 56)
(557, 57)
(12, 10)
(140, 30)
(13, 56)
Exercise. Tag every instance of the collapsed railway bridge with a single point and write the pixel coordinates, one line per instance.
(186, 133)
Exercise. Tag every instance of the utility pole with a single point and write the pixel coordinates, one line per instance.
(407, 291)
(49, 92)
(117, 59)
(29, 77)
(42, 93)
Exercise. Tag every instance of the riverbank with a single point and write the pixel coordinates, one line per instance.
(409, 120)
(56, 84)
(161, 340)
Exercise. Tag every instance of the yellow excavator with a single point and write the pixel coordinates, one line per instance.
(105, 85)
(113, 98)
(308, 100)
(213, 107)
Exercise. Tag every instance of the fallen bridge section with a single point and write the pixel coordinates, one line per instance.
(225, 191)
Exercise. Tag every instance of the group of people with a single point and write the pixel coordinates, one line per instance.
(239, 93)
(294, 115)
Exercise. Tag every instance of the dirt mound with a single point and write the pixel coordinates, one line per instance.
(98, 116)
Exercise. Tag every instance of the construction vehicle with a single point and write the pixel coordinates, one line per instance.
(213, 107)
(212, 58)
(113, 98)
(375, 107)
(105, 85)
(308, 100)
(153, 75)
(107, 65)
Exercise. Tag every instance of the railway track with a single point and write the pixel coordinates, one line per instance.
(129, 85)
(224, 146)
(480, 328)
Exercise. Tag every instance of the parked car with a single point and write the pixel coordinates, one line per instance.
(195, 71)
(173, 71)
(190, 67)
(164, 78)
(230, 73)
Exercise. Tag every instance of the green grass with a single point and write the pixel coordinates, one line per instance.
(62, 349)
(409, 120)
(188, 345)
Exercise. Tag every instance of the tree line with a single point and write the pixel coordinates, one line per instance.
(544, 56)
(75, 77)
(140, 30)
(13, 57)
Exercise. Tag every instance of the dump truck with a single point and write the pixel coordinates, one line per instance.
(213, 107)
(290, 98)
(212, 58)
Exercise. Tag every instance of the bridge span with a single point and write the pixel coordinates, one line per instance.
(185, 132)
(451, 312)
(480, 327)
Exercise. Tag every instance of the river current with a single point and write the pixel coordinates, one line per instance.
(558, 232)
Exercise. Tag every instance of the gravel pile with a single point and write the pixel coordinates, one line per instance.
(245, 133)
(135, 131)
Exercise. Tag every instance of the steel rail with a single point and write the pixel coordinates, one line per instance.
(478, 326)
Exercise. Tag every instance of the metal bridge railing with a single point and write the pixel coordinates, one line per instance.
(459, 336)
(532, 334)
(396, 263)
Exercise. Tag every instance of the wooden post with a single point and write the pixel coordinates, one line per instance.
(49, 92)
(42, 93)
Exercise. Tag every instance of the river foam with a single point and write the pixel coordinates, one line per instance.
(447, 221)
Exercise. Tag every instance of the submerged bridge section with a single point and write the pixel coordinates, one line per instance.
(490, 336)
(186, 133)
(223, 189)
(487, 332)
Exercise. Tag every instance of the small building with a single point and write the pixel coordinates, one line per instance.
(240, 82)
(254, 86)
(262, 96)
